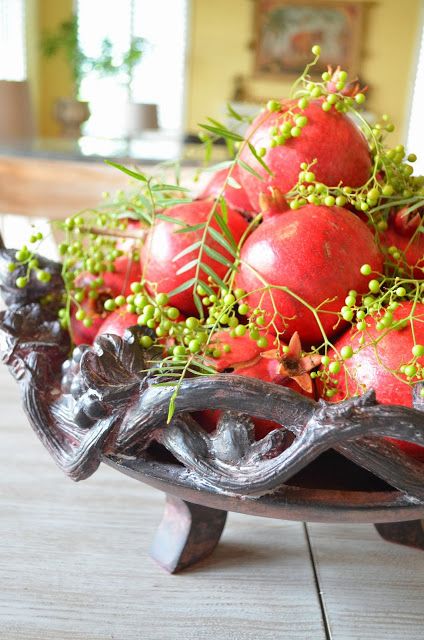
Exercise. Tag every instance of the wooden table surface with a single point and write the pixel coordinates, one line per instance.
(74, 565)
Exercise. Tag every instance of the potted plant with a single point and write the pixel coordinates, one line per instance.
(72, 112)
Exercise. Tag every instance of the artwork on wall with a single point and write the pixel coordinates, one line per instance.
(286, 32)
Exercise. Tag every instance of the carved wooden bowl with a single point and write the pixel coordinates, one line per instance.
(330, 462)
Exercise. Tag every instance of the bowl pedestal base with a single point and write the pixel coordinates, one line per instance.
(190, 532)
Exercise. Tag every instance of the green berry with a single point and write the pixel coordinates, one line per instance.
(179, 351)
(273, 105)
(243, 309)
(410, 370)
(110, 305)
(418, 350)
(172, 313)
(162, 299)
(374, 286)
(229, 299)
(346, 352)
(316, 50)
(21, 282)
(80, 314)
(334, 367)
(295, 132)
(87, 322)
(329, 201)
(240, 330)
(120, 301)
(401, 292)
(191, 323)
(262, 342)
(194, 346)
(325, 360)
(360, 98)
(366, 269)
(146, 342)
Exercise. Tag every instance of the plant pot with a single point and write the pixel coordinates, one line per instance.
(140, 117)
(70, 114)
(102, 405)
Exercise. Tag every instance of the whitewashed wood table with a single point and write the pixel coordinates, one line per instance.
(74, 564)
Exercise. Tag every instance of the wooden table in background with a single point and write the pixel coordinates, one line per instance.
(74, 565)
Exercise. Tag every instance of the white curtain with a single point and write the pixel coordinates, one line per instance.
(12, 40)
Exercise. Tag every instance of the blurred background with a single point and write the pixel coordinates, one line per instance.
(131, 79)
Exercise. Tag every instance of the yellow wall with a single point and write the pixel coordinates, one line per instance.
(50, 78)
(222, 30)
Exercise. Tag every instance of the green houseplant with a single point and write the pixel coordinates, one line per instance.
(72, 112)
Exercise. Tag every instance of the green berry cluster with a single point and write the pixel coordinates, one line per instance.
(26, 258)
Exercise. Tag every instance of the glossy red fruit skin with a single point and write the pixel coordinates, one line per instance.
(117, 323)
(115, 283)
(235, 198)
(401, 233)
(317, 253)
(244, 350)
(393, 350)
(163, 244)
(331, 138)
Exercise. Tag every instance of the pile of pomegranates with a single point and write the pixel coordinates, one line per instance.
(301, 261)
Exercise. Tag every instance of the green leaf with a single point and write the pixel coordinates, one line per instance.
(187, 250)
(225, 229)
(171, 407)
(132, 174)
(169, 187)
(207, 288)
(171, 202)
(215, 277)
(224, 210)
(198, 303)
(213, 168)
(162, 216)
(222, 132)
(191, 227)
(189, 265)
(259, 159)
(222, 241)
(250, 169)
(183, 287)
(233, 113)
(233, 183)
(218, 257)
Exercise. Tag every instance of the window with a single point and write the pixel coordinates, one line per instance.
(12, 40)
(416, 124)
(158, 78)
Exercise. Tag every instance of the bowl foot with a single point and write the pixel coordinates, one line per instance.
(409, 533)
(187, 533)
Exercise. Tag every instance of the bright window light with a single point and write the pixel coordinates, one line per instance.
(158, 78)
(416, 124)
(12, 40)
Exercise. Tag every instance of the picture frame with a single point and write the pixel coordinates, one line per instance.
(286, 30)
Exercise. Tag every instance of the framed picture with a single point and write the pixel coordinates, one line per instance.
(286, 32)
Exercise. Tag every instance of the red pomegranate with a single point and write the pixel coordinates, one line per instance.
(331, 138)
(235, 198)
(316, 253)
(402, 233)
(163, 244)
(371, 367)
(117, 323)
(247, 359)
(115, 283)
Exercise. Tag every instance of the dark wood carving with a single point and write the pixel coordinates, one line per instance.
(102, 402)
(188, 533)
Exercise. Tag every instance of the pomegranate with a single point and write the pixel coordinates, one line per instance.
(235, 198)
(117, 322)
(317, 253)
(330, 138)
(246, 358)
(115, 283)
(163, 244)
(402, 233)
(371, 367)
